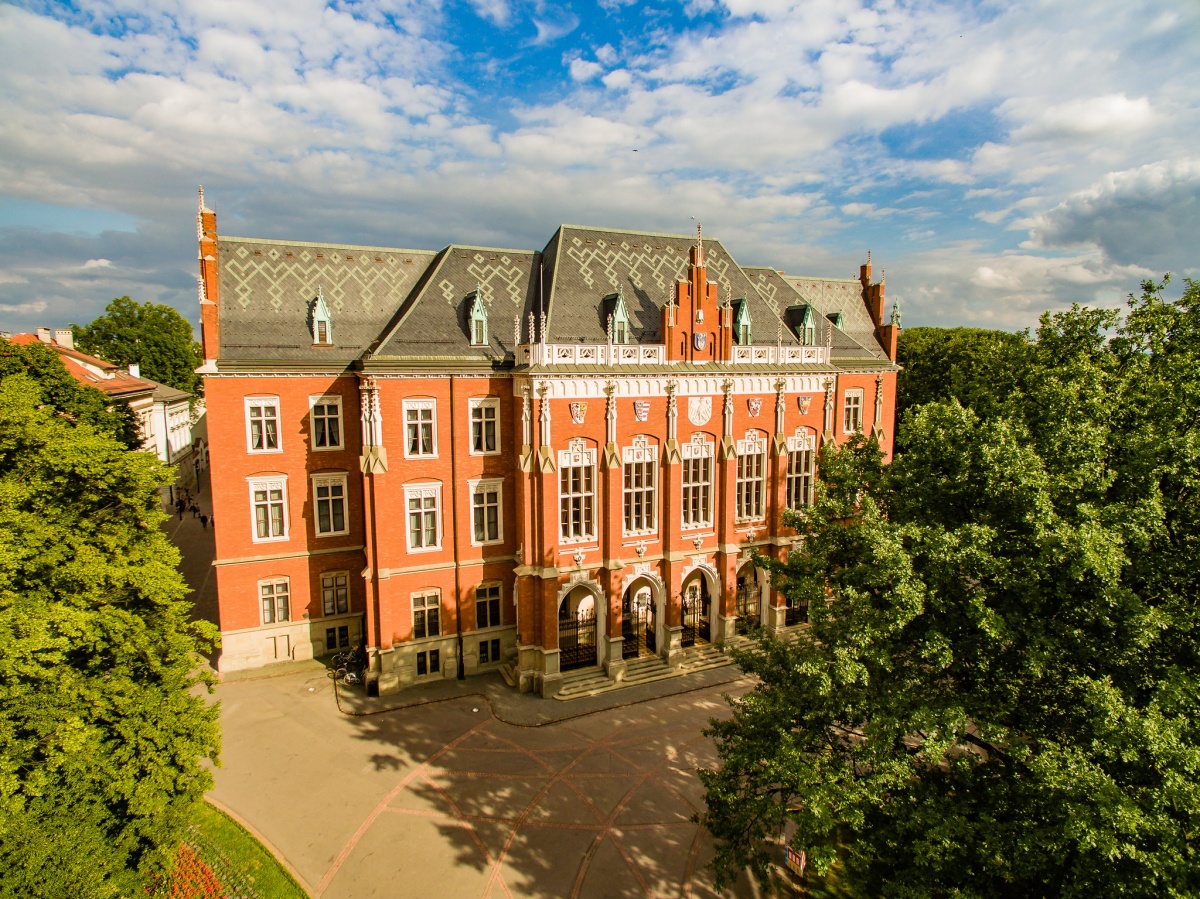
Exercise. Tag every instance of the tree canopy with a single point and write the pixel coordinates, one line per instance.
(998, 693)
(154, 336)
(58, 389)
(102, 731)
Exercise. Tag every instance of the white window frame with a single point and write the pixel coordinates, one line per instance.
(274, 583)
(330, 482)
(485, 588)
(801, 470)
(481, 403)
(422, 602)
(480, 488)
(750, 490)
(267, 485)
(577, 457)
(329, 592)
(261, 402)
(313, 402)
(419, 406)
(698, 452)
(854, 410)
(423, 492)
(640, 458)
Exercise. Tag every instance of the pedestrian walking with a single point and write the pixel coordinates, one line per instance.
(179, 508)
(195, 510)
(204, 521)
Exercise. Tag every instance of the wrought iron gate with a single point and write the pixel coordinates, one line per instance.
(695, 614)
(746, 601)
(577, 641)
(796, 613)
(637, 629)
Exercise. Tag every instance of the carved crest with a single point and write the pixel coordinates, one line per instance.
(805, 402)
(641, 409)
(755, 404)
(699, 409)
(578, 411)
(699, 340)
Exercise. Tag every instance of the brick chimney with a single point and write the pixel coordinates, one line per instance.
(207, 287)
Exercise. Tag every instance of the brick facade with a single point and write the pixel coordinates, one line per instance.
(514, 493)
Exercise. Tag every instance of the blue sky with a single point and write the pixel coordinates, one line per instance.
(999, 159)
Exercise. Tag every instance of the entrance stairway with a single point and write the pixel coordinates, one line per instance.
(645, 670)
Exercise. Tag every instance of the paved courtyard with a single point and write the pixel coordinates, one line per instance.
(447, 799)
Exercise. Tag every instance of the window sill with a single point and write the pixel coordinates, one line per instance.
(283, 539)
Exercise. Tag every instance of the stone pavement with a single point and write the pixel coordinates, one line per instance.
(446, 798)
(464, 788)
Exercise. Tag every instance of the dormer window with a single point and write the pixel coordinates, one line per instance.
(741, 322)
(477, 320)
(619, 317)
(322, 323)
(803, 324)
(838, 321)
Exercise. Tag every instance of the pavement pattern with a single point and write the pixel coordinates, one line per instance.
(445, 798)
(466, 789)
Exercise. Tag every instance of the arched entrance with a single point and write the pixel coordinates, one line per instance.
(748, 599)
(639, 621)
(697, 610)
(577, 630)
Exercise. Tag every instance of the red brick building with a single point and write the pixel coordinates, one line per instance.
(547, 459)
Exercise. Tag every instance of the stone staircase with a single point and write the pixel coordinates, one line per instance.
(645, 670)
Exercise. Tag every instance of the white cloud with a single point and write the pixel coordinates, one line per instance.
(497, 12)
(97, 263)
(1081, 118)
(584, 70)
(1147, 216)
(32, 307)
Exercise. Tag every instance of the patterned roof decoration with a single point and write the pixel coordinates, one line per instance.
(435, 320)
(590, 264)
(266, 289)
(413, 304)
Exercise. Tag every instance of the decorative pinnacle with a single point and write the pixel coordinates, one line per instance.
(200, 289)
(868, 257)
(201, 198)
(516, 329)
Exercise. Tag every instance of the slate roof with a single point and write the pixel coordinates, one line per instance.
(433, 320)
(396, 304)
(267, 287)
(584, 265)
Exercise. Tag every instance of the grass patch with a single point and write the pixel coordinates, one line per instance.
(229, 849)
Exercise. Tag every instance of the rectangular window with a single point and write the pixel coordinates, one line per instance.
(262, 424)
(337, 638)
(329, 497)
(697, 483)
(330, 639)
(751, 479)
(641, 470)
(268, 501)
(420, 432)
(274, 595)
(577, 494)
(423, 504)
(852, 419)
(335, 593)
(427, 615)
(429, 662)
(486, 511)
(485, 432)
(489, 651)
(326, 419)
(801, 454)
(487, 606)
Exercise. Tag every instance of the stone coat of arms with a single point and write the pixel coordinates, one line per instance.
(700, 340)
(641, 409)
(805, 402)
(578, 411)
(755, 404)
(699, 409)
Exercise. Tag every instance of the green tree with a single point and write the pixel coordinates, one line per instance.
(154, 336)
(977, 367)
(102, 728)
(58, 389)
(998, 693)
